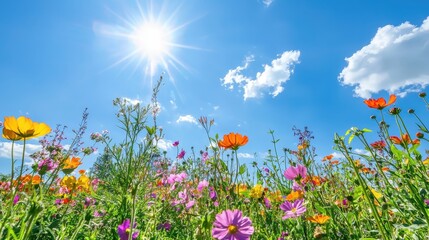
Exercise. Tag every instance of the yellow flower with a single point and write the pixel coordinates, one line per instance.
(275, 196)
(376, 194)
(426, 161)
(84, 182)
(240, 189)
(69, 182)
(36, 180)
(319, 219)
(294, 195)
(257, 191)
(23, 128)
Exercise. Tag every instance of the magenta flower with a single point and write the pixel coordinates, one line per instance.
(16, 199)
(297, 172)
(176, 143)
(181, 154)
(293, 210)
(231, 225)
(124, 230)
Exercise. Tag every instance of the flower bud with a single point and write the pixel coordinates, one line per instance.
(419, 135)
(410, 111)
(373, 117)
(422, 94)
(395, 111)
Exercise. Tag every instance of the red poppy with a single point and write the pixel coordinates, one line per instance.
(378, 145)
(380, 103)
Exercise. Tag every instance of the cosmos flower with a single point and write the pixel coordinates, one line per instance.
(293, 210)
(298, 172)
(231, 225)
(124, 230)
(23, 128)
(380, 103)
(233, 141)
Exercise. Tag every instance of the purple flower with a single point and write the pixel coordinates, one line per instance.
(292, 173)
(181, 154)
(267, 203)
(166, 226)
(230, 224)
(190, 204)
(213, 194)
(294, 209)
(205, 157)
(15, 199)
(176, 143)
(124, 230)
(427, 202)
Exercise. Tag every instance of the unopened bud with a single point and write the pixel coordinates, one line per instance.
(422, 94)
(411, 111)
(419, 135)
(395, 111)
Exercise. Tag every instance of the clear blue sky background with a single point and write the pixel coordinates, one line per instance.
(59, 57)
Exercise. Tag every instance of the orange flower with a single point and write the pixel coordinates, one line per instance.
(319, 219)
(404, 141)
(71, 164)
(23, 128)
(328, 157)
(233, 141)
(36, 180)
(334, 162)
(380, 103)
(81, 171)
(294, 195)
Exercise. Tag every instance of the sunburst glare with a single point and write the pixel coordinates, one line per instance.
(148, 40)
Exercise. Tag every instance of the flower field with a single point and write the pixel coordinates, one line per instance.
(135, 191)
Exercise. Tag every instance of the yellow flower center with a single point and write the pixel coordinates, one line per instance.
(293, 210)
(127, 231)
(232, 229)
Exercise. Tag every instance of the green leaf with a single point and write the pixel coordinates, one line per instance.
(366, 130)
(319, 208)
(242, 169)
(351, 138)
(357, 193)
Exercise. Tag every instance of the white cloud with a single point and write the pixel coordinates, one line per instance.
(337, 155)
(216, 108)
(173, 104)
(267, 3)
(131, 101)
(187, 118)
(234, 76)
(6, 150)
(396, 61)
(361, 151)
(271, 79)
(245, 155)
(164, 144)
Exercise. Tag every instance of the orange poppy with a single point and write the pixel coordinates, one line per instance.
(380, 103)
(319, 219)
(233, 141)
(71, 164)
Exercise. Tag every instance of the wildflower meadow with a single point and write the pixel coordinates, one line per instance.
(134, 190)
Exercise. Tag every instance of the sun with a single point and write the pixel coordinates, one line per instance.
(152, 41)
(148, 39)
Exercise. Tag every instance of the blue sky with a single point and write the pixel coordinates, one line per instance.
(252, 65)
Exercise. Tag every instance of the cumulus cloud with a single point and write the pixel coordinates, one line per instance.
(6, 150)
(187, 118)
(271, 79)
(245, 155)
(164, 144)
(396, 60)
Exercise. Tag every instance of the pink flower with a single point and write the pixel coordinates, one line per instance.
(201, 185)
(15, 199)
(294, 173)
(176, 143)
(231, 225)
(293, 210)
(190, 204)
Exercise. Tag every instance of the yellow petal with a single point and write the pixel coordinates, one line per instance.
(10, 123)
(25, 127)
(41, 129)
(9, 134)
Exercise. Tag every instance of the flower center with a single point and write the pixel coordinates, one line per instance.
(127, 231)
(293, 210)
(232, 229)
